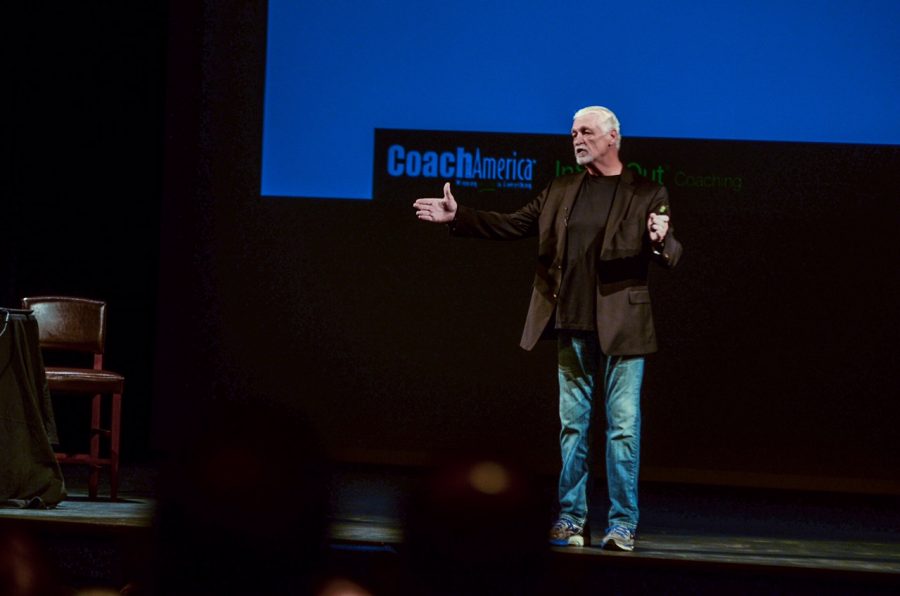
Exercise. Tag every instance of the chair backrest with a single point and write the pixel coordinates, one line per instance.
(66, 323)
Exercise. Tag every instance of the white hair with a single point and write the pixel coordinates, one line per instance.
(606, 120)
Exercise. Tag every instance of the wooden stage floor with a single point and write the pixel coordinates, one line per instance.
(846, 541)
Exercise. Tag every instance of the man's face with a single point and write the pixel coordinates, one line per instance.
(591, 144)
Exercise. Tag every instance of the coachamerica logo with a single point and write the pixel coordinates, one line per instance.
(461, 165)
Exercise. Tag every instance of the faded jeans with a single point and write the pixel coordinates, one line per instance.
(585, 373)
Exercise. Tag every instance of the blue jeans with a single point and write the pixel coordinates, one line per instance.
(584, 371)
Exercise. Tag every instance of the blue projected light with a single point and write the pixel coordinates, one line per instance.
(338, 69)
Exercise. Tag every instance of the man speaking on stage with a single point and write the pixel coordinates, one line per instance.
(598, 231)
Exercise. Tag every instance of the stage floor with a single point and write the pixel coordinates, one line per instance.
(683, 527)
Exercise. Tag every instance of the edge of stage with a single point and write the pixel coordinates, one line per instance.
(693, 538)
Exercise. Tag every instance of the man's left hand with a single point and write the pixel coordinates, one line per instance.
(658, 227)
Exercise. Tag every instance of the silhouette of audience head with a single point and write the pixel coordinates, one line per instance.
(477, 527)
(24, 567)
(243, 506)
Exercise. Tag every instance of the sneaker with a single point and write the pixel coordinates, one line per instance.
(566, 533)
(618, 538)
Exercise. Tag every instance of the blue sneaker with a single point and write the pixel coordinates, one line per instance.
(566, 533)
(618, 538)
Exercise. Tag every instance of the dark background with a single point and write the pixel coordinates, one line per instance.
(133, 162)
(83, 164)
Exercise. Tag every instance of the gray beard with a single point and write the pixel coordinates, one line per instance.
(583, 159)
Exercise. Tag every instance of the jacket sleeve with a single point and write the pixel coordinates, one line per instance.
(669, 253)
(499, 226)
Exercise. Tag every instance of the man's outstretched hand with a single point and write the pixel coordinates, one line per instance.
(441, 210)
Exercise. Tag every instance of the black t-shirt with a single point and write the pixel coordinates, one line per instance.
(575, 308)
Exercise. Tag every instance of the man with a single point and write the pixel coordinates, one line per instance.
(598, 230)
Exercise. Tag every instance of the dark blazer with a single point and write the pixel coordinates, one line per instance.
(624, 318)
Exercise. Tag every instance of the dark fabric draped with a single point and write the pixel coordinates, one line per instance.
(29, 472)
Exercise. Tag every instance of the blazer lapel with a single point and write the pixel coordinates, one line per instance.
(621, 200)
(571, 192)
(566, 202)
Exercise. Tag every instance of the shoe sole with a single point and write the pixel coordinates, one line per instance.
(613, 545)
(570, 541)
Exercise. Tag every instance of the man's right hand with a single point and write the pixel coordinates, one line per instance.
(437, 210)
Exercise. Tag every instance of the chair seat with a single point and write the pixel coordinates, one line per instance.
(85, 380)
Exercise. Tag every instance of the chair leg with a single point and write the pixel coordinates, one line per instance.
(115, 428)
(95, 446)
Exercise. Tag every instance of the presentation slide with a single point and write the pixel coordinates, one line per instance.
(761, 71)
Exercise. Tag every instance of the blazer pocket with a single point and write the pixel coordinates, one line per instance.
(638, 296)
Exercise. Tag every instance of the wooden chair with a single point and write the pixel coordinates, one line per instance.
(79, 325)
